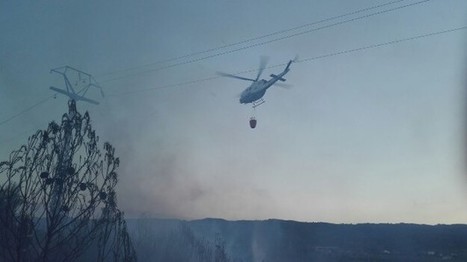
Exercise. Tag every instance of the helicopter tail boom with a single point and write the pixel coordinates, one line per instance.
(288, 65)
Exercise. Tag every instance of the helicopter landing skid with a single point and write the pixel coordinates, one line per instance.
(258, 103)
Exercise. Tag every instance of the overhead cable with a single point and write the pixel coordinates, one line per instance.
(309, 59)
(263, 43)
(25, 110)
(251, 39)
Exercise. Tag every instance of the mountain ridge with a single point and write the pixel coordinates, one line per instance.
(288, 240)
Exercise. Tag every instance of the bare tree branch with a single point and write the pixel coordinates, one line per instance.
(57, 197)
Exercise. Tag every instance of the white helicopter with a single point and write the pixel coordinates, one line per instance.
(82, 80)
(255, 92)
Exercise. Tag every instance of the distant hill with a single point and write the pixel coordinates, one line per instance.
(279, 240)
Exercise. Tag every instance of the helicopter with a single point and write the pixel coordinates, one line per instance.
(83, 80)
(255, 92)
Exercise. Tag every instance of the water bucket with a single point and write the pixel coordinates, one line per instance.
(252, 122)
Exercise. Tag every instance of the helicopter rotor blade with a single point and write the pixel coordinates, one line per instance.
(262, 65)
(286, 86)
(234, 76)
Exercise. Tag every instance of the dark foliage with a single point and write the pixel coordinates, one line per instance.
(278, 240)
(159, 240)
(51, 197)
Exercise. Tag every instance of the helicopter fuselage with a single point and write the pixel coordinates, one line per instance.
(258, 88)
(254, 92)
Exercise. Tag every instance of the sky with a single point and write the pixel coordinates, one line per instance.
(373, 135)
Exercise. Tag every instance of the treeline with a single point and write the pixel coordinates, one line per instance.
(278, 240)
(175, 241)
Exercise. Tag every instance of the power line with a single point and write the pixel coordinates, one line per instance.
(385, 44)
(348, 51)
(252, 39)
(25, 110)
(270, 41)
(266, 42)
(373, 46)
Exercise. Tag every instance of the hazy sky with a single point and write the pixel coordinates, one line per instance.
(368, 136)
